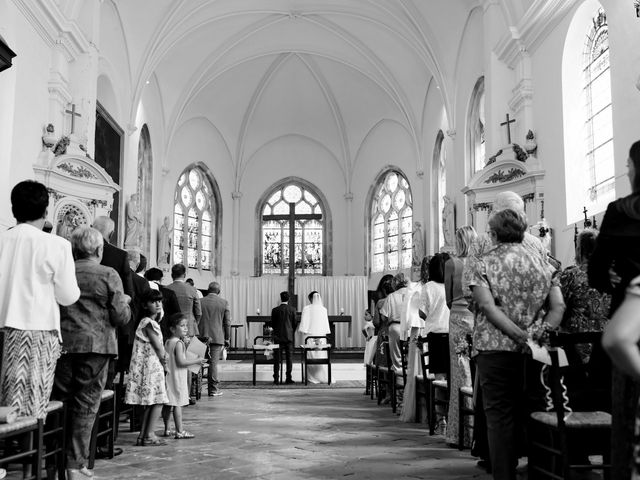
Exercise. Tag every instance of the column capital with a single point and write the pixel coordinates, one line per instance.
(420, 173)
(236, 195)
(451, 133)
(348, 196)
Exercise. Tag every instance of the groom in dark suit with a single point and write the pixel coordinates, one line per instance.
(283, 322)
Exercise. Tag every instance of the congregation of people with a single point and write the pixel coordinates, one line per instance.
(500, 296)
(79, 316)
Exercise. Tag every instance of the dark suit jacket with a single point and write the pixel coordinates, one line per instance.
(116, 258)
(216, 319)
(283, 321)
(140, 288)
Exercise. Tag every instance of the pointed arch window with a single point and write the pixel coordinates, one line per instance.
(391, 223)
(475, 129)
(293, 201)
(598, 126)
(194, 214)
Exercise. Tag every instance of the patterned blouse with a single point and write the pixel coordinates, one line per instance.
(520, 283)
(587, 309)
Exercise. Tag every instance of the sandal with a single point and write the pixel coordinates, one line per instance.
(169, 433)
(153, 442)
(184, 434)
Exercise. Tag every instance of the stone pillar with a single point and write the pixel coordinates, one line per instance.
(235, 241)
(348, 197)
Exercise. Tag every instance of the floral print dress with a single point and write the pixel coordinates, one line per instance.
(146, 376)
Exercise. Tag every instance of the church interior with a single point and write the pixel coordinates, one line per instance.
(359, 133)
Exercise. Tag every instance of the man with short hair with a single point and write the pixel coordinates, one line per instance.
(283, 322)
(37, 274)
(215, 324)
(187, 298)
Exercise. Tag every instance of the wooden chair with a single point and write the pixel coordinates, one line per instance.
(22, 443)
(204, 369)
(386, 377)
(262, 343)
(104, 425)
(54, 439)
(560, 440)
(307, 360)
(434, 360)
(422, 384)
(401, 377)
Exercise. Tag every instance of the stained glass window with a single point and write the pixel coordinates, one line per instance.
(391, 223)
(475, 129)
(193, 220)
(308, 231)
(598, 131)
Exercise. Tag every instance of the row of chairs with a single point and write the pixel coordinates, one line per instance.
(263, 342)
(38, 444)
(560, 440)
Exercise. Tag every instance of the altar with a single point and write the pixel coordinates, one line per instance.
(333, 319)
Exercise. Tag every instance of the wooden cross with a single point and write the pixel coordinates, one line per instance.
(508, 127)
(291, 217)
(73, 115)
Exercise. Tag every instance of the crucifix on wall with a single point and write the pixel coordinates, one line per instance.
(507, 123)
(73, 114)
(292, 217)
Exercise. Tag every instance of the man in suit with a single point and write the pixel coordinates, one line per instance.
(215, 324)
(187, 298)
(283, 322)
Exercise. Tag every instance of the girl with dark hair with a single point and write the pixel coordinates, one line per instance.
(614, 263)
(146, 373)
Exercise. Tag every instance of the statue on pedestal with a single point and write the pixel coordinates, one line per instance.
(418, 251)
(164, 242)
(133, 235)
(67, 225)
(448, 222)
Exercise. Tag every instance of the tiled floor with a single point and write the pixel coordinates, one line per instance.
(292, 434)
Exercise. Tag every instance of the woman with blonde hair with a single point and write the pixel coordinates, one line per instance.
(460, 328)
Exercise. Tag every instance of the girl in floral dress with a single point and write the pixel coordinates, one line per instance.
(146, 372)
(176, 381)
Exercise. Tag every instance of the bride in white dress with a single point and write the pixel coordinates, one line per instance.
(315, 322)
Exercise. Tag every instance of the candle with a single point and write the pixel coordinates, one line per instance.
(257, 311)
(341, 311)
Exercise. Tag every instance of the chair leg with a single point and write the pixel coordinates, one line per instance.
(254, 373)
(432, 408)
(461, 418)
(329, 371)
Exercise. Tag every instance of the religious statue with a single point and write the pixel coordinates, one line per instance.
(164, 242)
(61, 147)
(448, 222)
(418, 252)
(134, 223)
(49, 137)
(67, 225)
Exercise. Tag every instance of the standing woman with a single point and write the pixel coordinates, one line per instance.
(460, 327)
(613, 264)
(510, 287)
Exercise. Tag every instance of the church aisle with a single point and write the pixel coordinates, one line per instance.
(292, 434)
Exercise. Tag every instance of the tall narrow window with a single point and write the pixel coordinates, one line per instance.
(293, 209)
(475, 129)
(193, 220)
(598, 131)
(391, 223)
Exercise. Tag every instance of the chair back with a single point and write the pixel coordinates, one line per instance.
(404, 356)
(575, 387)
(383, 353)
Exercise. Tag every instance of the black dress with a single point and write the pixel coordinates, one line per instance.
(618, 247)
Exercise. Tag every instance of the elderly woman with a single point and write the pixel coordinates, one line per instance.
(89, 341)
(460, 326)
(510, 286)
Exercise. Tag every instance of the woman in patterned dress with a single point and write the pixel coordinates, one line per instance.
(510, 287)
(146, 372)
